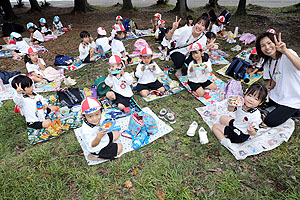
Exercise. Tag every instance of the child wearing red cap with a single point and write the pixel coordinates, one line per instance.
(218, 27)
(146, 72)
(160, 31)
(34, 65)
(255, 62)
(99, 143)
(120, 82)
(199, 70)
(154, 22)
(102, 40)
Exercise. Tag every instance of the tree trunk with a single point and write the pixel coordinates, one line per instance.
(81, 6)
(127, 5)
(9, 13)
(212, 3)
(182, 10)
(161, 2)
(177, 6)
(34, 5)
(241, 10)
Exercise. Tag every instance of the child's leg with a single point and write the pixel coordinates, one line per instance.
(53, 108)
(36, 78)
(92, 51)
(47, 123)
(212, 86)
(218, 130)
(224, 120)
(162, 89)
(121, 106)
(116, 135)
(199, 92)
(120, 148)
(144, 93)
(111, 95)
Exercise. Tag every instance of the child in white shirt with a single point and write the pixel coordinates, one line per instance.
(199, 70)
(102, 41)
(21, 45)
(45, 30)
(165, 44)
(35, 35)
(157, 17)
(119, 23)
(210, 43)
(99, 143)
(247, 120)
(57, 25)
(146, 72)
(86, 48)
(161, 31)
(32, 106)
(120, 82)
(34, 65)
(255, 63)
(218, 27)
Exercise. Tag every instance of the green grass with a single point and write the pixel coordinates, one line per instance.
(175, 164)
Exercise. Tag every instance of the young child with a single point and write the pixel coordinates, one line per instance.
(57, 25)
(255, 63)
(218, 27)
(157, 17)
(119, 23)
(99, 143)
(146, 72)
(35, 35)
(189, 21)
(34, 65)
(165, 44)
(199, 70)
(32, 106)
(161, 31)
(21, 45)
(101, 40)
(43, 26)
(86, 48)
(247, 120)
(117, 46)
(119, 81)
(210, 42)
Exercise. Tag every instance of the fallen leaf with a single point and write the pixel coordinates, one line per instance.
(160, 194)
(208, 158)
(81, 154)
(2, 162)
(140, 167)
(134, 172)
(202, 190)
(128, 184)
(217, 183)
(102, 171)
(212, 143)
(28, 177)
(46, 175)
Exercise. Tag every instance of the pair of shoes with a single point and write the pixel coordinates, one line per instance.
(192, 129)
(69, 81)
(236, 48)
(263, 125)
(157, 93)
(167, 115)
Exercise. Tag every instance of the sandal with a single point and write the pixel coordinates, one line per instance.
(162, 113)
(170, 117)
(193, 127)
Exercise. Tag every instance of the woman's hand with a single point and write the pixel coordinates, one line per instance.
(280, 46)
(176, 23)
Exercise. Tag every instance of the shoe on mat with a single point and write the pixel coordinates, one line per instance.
(227, 143)
(162, 113)
(203, 135)
(170, 117)
(192, 129)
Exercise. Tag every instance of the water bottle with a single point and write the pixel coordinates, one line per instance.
(40, 111)
(246, 78)
(94, 91)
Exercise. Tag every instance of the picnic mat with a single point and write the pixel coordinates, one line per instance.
(217, 59)
(77, 64)
(213, 95)
(265, 139)
(6, 53)
(143, 33)
(164, 78)
(130, 35)
(163, 129)
(7, 92)
(44, 86)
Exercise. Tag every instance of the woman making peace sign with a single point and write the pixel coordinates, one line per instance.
(282, 68)
(183, 38)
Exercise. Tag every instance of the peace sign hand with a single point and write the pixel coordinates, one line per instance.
(176, 23)
(19, 88)
(280, 46)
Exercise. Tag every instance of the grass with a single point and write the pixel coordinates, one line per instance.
(172, 167)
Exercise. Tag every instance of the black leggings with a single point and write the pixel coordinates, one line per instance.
(279, 115)
(179, 60)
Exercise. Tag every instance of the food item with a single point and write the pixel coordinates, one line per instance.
(235, 100)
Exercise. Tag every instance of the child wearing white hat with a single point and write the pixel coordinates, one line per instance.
(35, 35)
(43, 26)
(102, 40)
(21, 45)
(218, 27)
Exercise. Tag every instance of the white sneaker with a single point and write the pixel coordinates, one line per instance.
(227, 143)
(236, 48)
(203, 135)
(162, 57)
(192, 129)
(178, 72)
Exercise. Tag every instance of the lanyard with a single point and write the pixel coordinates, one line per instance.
(274, 70)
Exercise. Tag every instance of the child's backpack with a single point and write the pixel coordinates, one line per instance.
(70, 97)
(61, 60)
(233, 88)
(101, 87)
(237, 68)
(140, 44)
(247, 38)
(227, 16)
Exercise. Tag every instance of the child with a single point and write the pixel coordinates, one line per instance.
(189, 21)
(86, 49)
(101, 40)
(157, 17)
(57, 25)
(119, 23)
(119, 82)
(117, 46)
(99, 143)
(21, 45)
(32, 106)
(44, 27)
(166, 44)
(199, 70)
(255, 63)
(218, 27)
(146, 72)
(35, 35)
(247, 118)
(161, 31)
(210, 43)
(35, 65)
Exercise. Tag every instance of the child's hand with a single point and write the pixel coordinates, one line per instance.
(191, 69)
(154, 67)
(143, 68)
(19, 88)
(91, 39)
(251, 129)
(101, 133)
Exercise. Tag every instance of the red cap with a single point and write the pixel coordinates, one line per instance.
(157, 15)
(271, 31)
(146, 51)
(254, 51)
(160, 22)
(90, 105)
(32, 50)
(195, 46)
(221, 19)
(101, 31)
(115, 59)
(119, 18)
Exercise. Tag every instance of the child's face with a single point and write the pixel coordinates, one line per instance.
(42, 24)
(211, 40)
(28, 90)
(31, 30)
(119, 21)
(219, 23)
(121, 35)
(255, 58)
(86, 39)
(34, 57)
(163, 25)
(168, 34)
(191, 21)
(252, 100)
(156, 19)
(146, 59)
(94, 118)
(197, 55)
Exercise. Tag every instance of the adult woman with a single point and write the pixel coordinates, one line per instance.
(182, 39)
(282, 68)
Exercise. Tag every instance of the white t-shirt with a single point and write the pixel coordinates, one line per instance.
(183, 36)
(147, 76)
(104, 42)
(287, 77)
(117, 47)
(89, 134)
(243, 119)
(215, 28)
(165, 42)
(22, 46)
(44, 29)
(199, 76)
(38, 35)
(35, 67)
(84, 52)
(27, 105)
(57, 25)
(122, 85)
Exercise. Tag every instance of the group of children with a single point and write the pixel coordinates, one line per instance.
(100, 143)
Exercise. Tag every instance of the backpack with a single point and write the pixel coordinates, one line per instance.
(140, 44)
(70, 97)
(227, 16)
(129, 25)
(237, 68)
(101, 87)
(233, 88)
(61, 60)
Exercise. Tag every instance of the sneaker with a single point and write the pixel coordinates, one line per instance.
(162, 57)
(162, 113)
(236, 48)
(203, 135)
(227, 143)
(170, 117)
(192, 129)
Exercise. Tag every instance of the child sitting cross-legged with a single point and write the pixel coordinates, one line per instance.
(100, 143)
(247, 120)
(33, 106)
(146, 72)
(86, 48)
(120, 82)
(199, 70)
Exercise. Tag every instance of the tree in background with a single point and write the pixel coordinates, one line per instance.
(160, 2)
(177, 6)
(241, 10)
(6, 6)
(212, 3)
(81, 6)
(127, 5)
(34, 5)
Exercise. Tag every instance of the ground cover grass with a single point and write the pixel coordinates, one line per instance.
(173, 167)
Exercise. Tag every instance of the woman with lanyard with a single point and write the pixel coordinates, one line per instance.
(282, 69)
(182, 38)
